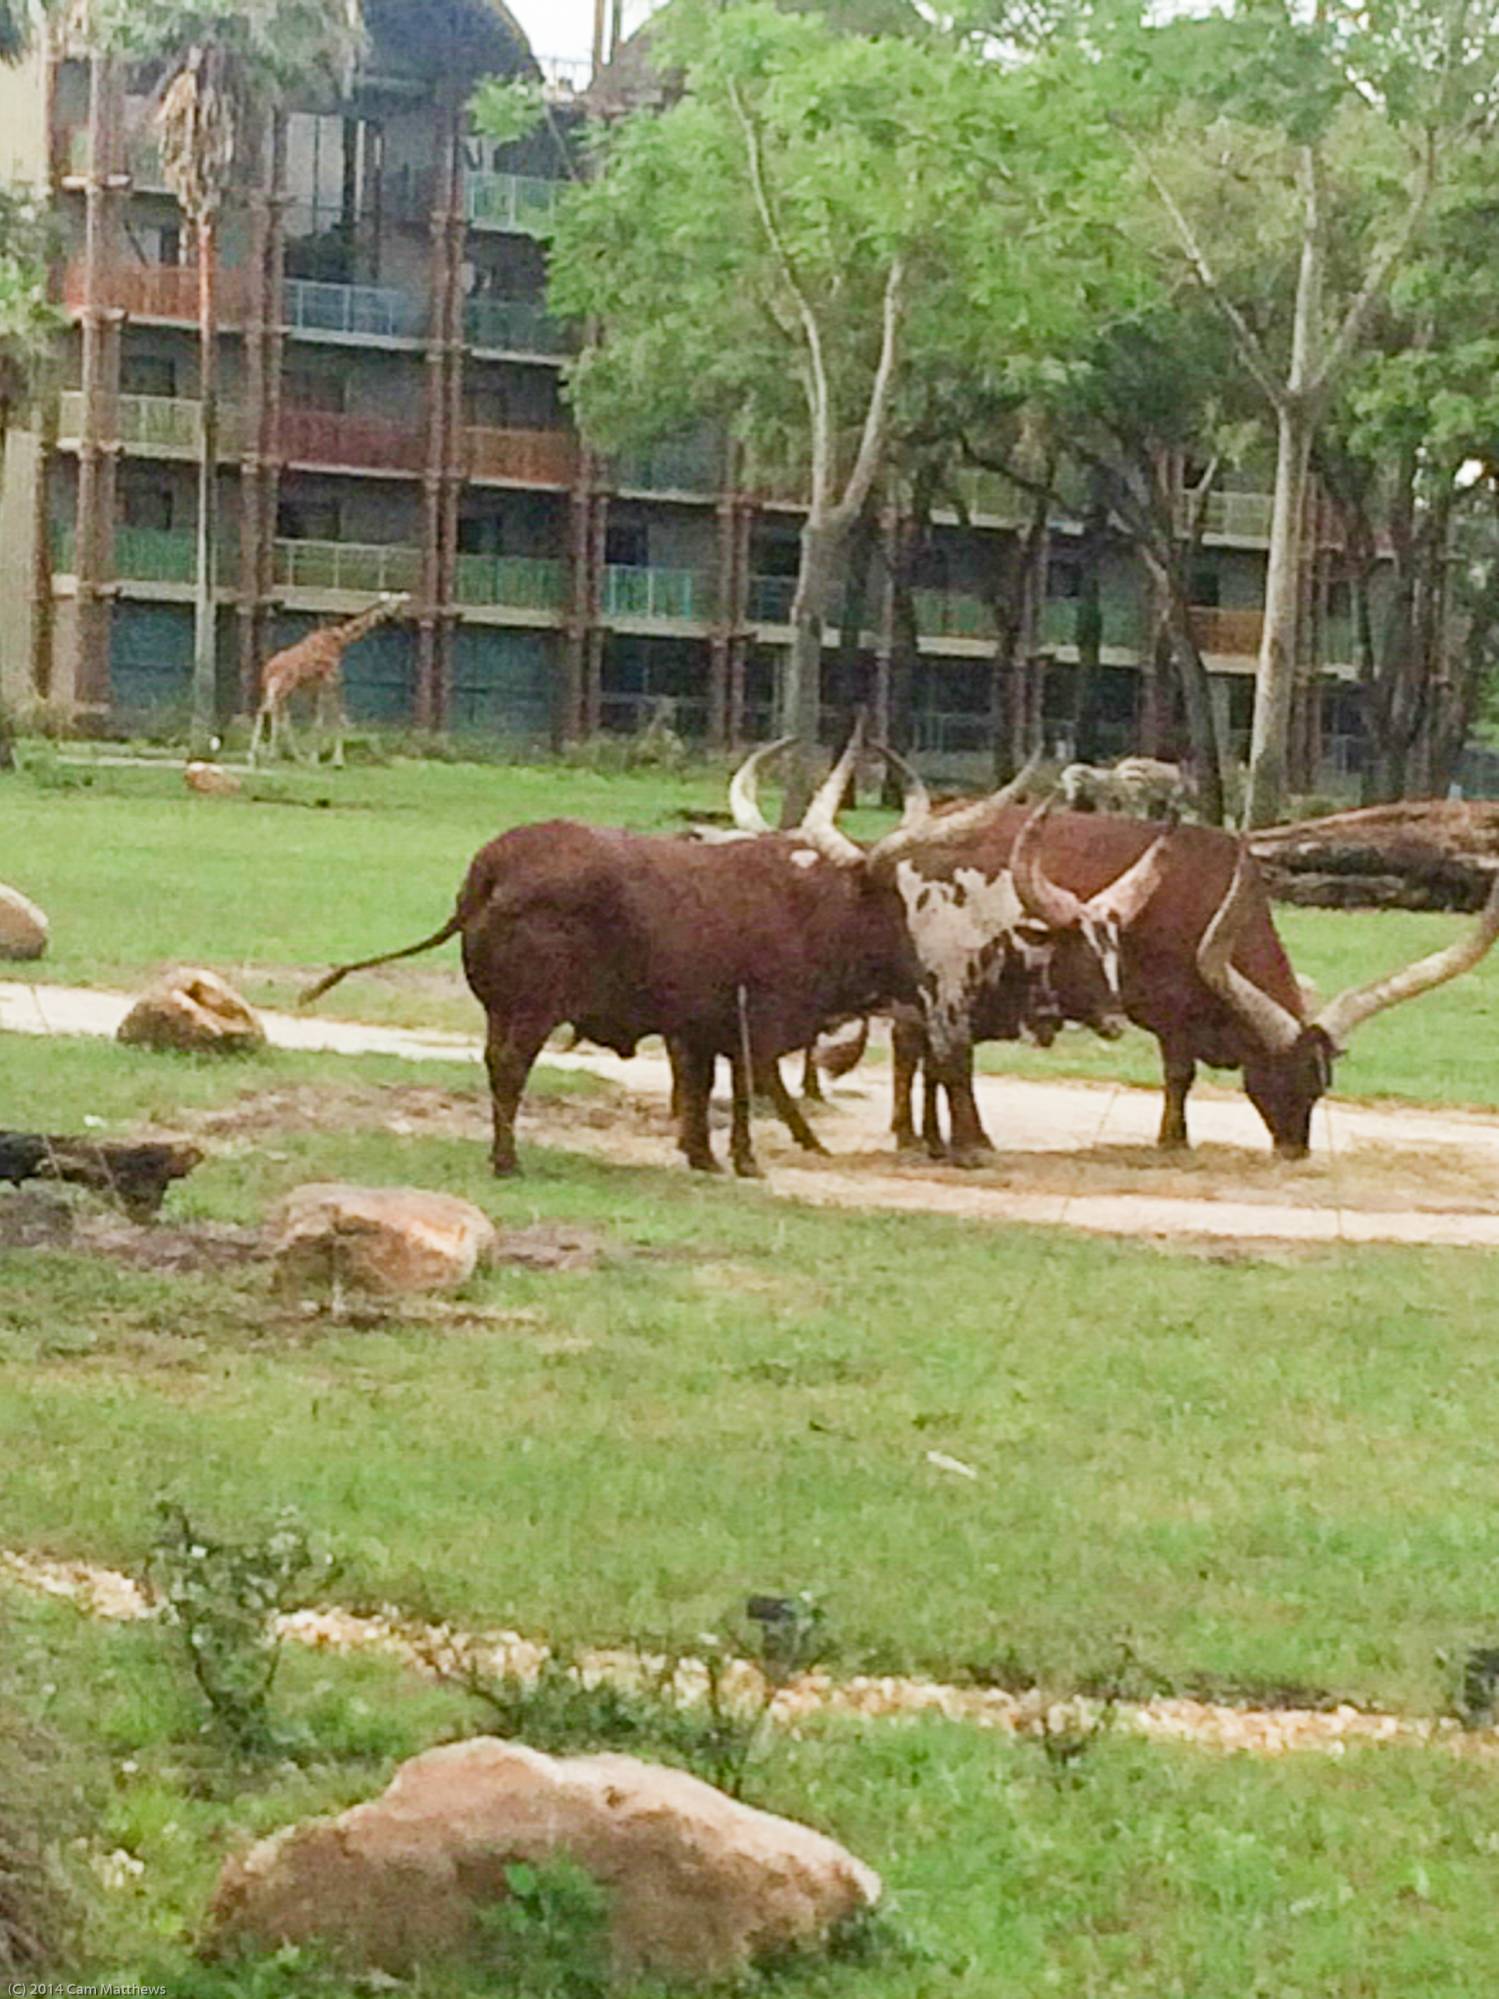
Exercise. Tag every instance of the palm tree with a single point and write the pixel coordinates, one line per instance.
(216, 65)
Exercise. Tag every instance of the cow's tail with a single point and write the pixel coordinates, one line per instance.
(450, 929)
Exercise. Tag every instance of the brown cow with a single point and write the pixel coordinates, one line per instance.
(1204, 971)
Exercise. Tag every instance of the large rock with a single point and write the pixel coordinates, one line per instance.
(698, 1886)
(23, 927)
(378, 1238)
(193, 1011)
(211, 779)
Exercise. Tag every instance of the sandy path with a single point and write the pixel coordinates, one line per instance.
(1377, 1175)
(108, 1594)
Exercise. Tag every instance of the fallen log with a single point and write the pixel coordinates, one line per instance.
(1414, 854)
(136, 1175)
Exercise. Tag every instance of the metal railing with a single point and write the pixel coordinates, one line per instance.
(952, 614)
(683, 596)
(520, 582)
(347, 565)
(1123, 622)
(1235, 516)
(521, 203)
(142, 156)
(358, 312)
(1232, 633)
(153, 423)
(145, 555)
(770, 599)
(515, 326)
(331, 437)
(157, 291)
(685, 465)
(630, 714)
(951, 733)
(530, 457)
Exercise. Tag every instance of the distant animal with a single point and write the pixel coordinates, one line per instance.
(315, 663)
(1140, 785)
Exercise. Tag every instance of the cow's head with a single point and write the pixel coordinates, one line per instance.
(1086, 934)
(1291, 1061)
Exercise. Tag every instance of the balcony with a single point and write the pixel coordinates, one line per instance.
(519, 203)
(677, 596)
(518, 582)
(515, 326)
(157, 291)
(952, 614)
(353, 312)
(687, 465)
(1230, 516)
(363, 568)
(146, 555)
(164, 425)
(142, 157)
(770, 598)
(522, 457)
(1123, 623)
(1233, 634)
(371, 443)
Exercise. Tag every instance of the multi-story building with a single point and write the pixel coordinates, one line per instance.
(393, 420)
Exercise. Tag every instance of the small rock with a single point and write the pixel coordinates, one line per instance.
(23, 927)
(377, 1238)
(698, 1886)
(193, 1011)
(211, 779)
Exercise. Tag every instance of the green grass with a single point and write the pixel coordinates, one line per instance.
(1256, 1474)
(1139, 1873)
(310, 868)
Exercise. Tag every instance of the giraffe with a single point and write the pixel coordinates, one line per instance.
(315, 662)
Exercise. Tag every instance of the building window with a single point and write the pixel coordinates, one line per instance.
(480, 535)
(309, 520)
(147, 375)
(143, 506)
(1064, 579)
(317, 385)
(1207, 588)
(627, 545)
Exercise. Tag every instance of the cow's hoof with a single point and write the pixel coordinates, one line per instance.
(907, 1141)
(748, 1169)
(703, 1162)
(970, 1156)
(1172, 1141)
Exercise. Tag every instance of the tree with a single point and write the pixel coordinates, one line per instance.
(215, 64)
(1290, 105)
(817, 217)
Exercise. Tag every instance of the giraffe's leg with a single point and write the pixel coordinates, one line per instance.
(256, 735)
(340, 720)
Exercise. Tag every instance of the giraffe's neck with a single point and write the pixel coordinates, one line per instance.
(366, 621)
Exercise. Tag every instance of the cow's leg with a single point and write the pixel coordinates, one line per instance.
(1178, 1070)
(970, 1142)
(676, 1054)
(907, 1041)
(811, 1082)
(931, 1115)
(695, 1074)
(773, 1085)
(509, 1051)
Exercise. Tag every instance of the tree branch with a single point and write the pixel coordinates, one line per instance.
(818, 401)
(1379, 275)
(876, 417)
(1249, 347)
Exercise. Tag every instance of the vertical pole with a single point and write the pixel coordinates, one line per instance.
(205, 596)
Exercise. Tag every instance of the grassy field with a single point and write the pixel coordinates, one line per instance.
(314, 867)
(1262, 1477)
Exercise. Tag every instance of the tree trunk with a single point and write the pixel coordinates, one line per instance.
(1088, 633)
(1275, 682)
(205, 636)
(848, 689)
(801, 690)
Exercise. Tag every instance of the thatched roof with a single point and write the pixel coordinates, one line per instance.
(461, 39)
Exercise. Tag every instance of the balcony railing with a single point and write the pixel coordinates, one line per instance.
(142, 156)
(517, 202)
(770, 599)
(688, 465)
(1123, 622)
(154, 423)
(147, 555)
(158, 291)
(952, 614)
(1234, 516)
(1231, 634)
(681, 595)
(363, 567)
(327, 437)
(519, 582)
(514, 326)
(357, 312)
(528, 457)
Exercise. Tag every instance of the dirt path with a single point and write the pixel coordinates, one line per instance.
(1079, 1155)
(106, 1593)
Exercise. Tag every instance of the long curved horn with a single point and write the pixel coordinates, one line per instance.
(744, 787)
(1351, 1009)
(1273, 1024)
(967, 818)
(1039, 895)
(1126, 896)
(916, 800)
(818, 826)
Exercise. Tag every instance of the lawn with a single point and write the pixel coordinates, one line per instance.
(1253, 1477)
(313, 867)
